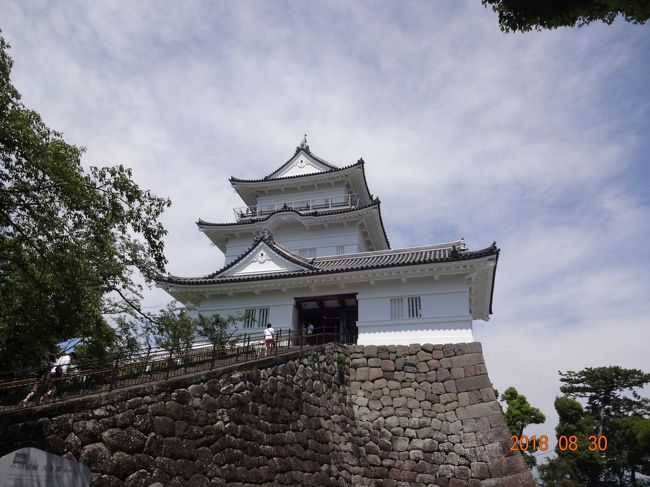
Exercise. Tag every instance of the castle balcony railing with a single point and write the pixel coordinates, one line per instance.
(302, 206)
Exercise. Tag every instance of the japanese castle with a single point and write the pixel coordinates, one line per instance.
(310, 247)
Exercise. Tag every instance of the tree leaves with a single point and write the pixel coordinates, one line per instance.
(70, 240)
(520, 414)
(525, 15)
(615, 410)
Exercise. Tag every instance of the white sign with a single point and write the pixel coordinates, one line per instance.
(31, 467)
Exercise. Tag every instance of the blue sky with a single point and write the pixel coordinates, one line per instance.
(538, 141)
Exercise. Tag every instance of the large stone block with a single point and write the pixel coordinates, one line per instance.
(482, 410)
(362, 373)
(473, 383)
(375, 373)
(359, 362)
(443, 374)
(370, 351)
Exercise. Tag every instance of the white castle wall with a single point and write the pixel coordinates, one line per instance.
(324, 240)
(338, 190)
(445, 310)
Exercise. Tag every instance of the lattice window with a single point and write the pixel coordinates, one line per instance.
(414, 307)
(262, 316)
(249, 318)
(255, 317)
(396, 308)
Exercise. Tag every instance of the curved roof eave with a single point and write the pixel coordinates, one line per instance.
(202, 223)
(212, 280)
(494, 276)
(246, 188)
(376, 203)
(266, 179)
(296, 259)
(306, 151)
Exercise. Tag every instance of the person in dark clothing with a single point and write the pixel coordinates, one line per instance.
(43, 379)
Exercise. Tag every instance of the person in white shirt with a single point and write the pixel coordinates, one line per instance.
(60, 369)
(268, 337)
(64, 362)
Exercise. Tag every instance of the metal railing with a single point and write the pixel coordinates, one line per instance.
(327, 203)
(88, 377)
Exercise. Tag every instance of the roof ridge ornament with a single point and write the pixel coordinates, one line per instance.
(265, 235)
(303, 145)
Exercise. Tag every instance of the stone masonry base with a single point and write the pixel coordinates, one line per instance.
(381, 416)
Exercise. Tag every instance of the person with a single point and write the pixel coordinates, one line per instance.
(59, 370)
(309, 331)
(64, 362)
(268, 337)
(42, 384)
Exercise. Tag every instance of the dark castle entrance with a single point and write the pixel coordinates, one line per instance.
(334, 317)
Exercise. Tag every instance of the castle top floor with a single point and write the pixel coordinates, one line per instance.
(306, 184)
(313, 208)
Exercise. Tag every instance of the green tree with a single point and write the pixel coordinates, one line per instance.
(607, 391)
(216, 328)
(70, 240)
(520, 414)
(525, 15)
(124, 338)
(615, 411)
(581, 466)
(174, 329)
(628, 448)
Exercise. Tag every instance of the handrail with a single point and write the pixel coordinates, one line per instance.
(148, 352)
(325, 203)
(88, 378)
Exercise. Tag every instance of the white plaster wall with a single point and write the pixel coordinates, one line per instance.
(281, 309)
(443, 333)
(445, 310)
(361, 243)
(338, 190)
(325, 240)
(302, 163)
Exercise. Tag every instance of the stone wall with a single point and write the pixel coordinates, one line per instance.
(427, 414)
(417, 416)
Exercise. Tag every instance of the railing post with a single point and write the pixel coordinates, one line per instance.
(114, 374)
(169, 363)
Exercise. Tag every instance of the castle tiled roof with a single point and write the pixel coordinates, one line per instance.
(305, 148)
(343, 263)
(332, 169)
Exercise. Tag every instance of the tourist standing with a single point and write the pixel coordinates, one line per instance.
(269, 337)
